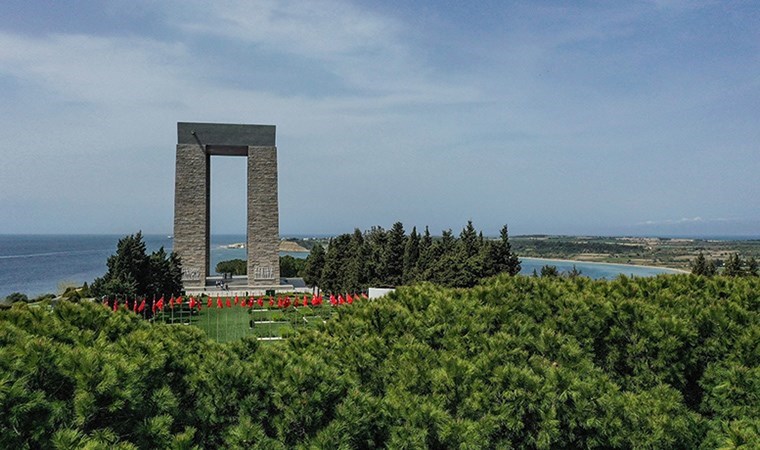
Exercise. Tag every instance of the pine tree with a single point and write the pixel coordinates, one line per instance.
(733, 266)
(486, 258)
(393, 256)
(164, 275)
(548, 271)
(445, 268)
(504, 259)
(752, 267)
(131, 272)
(699, 265)
(426, 254)
(411, 257)
(315, 263)
(374, 246)
(712, 268)
(334, 273)
(703, 266)
(468, 241)
(356, 270)
(575, 273)
(469, 257)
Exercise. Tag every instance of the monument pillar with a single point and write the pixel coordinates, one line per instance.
(263, 218)
(196, 143)
(191, 212)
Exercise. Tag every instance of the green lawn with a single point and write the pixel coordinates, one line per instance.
(227, 324)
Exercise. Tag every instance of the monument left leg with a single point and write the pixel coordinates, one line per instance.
(191, 213)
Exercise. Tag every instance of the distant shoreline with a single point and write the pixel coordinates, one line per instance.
(680, 271)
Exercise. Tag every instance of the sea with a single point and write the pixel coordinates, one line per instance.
(41, 264)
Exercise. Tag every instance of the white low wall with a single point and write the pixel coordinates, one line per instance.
(379, 292)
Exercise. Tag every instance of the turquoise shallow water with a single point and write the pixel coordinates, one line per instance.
(592, 270)
(37, 264)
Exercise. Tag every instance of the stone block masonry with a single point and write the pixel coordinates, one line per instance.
(197, 142)
(191, 212)
(263, 217)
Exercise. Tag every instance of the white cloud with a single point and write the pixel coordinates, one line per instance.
(96, 70)
(367, 51)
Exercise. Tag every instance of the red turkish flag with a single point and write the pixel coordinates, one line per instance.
(333, 301)
(261, 302)
(209, 303)
(142, 306)
(340, 299)
(271, 302)
(349, 299)
(116, 304)
(236, 300)
(229, 304)
(171, 302)
(192, 303)
(219, 302)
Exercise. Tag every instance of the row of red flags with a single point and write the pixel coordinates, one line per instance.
(281, 303)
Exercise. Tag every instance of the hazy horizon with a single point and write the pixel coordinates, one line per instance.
(434, 234)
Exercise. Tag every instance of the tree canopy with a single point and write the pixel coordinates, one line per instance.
(132, 272)
(387, 258)
(515, 362)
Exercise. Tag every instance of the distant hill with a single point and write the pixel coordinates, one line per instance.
(289, 246)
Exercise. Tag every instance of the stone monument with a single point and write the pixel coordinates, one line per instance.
(196, 143)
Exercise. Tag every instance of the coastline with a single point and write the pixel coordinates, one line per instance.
(673, 269)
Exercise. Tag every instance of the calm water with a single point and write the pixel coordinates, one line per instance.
(591, 270)
(38, 264)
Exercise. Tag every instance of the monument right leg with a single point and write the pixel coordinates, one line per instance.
(191, 213)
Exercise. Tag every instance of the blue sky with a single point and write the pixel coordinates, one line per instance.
(634, 117)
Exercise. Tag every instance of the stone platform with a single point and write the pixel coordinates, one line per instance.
(240, 291)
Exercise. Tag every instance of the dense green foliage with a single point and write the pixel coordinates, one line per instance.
(289, 266)
(354, 262)
(517, 362)
(734, 266)
(132, 272)
(16, 297)
(315, 264)
(232, 267)
(703, 266)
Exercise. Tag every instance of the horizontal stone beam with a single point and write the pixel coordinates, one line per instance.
(225, 134)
